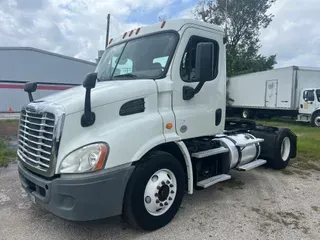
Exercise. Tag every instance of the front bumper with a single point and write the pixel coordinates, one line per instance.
(76, 198)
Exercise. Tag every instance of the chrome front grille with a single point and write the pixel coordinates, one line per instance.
(36, 139)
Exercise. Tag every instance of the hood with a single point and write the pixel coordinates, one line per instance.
(104, 93)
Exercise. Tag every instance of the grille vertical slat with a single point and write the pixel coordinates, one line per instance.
(36, 138)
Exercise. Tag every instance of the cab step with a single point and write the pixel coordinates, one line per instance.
(251, 165)
(210, 152)
(213, 180)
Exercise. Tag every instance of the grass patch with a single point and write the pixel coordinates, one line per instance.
(9, 120)
(5, 154)
(308, 156)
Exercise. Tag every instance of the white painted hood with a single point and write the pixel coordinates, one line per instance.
(104, 93)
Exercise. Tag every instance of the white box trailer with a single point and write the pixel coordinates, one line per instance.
(289, 91)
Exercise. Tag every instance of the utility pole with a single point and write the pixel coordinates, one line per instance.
(108, 28)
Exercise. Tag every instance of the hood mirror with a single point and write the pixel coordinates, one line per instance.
(30, 87)
(88, 118)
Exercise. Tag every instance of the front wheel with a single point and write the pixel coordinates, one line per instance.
(315, 121)
(155, 191)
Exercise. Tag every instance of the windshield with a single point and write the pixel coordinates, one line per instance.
(145, 57)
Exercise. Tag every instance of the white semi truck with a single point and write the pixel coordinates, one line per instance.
(290, 91)
(145, 128)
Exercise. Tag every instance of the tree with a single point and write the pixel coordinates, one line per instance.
(244, 20)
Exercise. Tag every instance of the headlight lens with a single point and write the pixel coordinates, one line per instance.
(86, 159)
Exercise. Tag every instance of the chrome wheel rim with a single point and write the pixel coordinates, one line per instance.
(245, 114)
(160, 192)
(285, 149)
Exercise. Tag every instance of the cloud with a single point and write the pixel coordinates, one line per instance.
(77, 27)
(71, 27)
(294, 34)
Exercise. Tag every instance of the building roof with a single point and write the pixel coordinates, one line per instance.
(48, 53)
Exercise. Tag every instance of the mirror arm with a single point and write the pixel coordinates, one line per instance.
(189, 92)
(198, 87)
(88, 118)
(30, 97)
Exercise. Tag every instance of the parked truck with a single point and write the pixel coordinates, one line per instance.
(290, 91)
(145, 128)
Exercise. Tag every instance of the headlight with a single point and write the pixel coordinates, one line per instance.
(86, 159)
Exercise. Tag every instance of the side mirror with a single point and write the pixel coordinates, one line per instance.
(90, 81)
(205, 62)
(30, 87)
(88, 118)
(204, 68)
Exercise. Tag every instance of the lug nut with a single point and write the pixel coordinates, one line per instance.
(163, 183)
(157, 201)
(168, 181)
(170, 198)
(166, 203)
(171, 185)
(148, 199)
(172, 191)
(156, 194)
(158, 187)
(161, 204)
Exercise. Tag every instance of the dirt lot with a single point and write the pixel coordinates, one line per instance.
(260, 204)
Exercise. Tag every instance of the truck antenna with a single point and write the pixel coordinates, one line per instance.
(107, 32)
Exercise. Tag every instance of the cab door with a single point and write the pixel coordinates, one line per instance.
(318, 98)
(204, 113)
(308, 101)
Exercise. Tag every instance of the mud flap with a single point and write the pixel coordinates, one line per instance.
(272, 141)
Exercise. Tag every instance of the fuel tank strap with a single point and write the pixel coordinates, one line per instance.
(238, 148)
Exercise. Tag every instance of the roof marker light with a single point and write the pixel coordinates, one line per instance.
(130, 33)
(163, 23)
(138, 30)
(110, 41)
(124, 35)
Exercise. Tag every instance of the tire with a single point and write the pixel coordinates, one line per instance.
(282, 150)
(143, 184)
(247, 114)
(315, 121)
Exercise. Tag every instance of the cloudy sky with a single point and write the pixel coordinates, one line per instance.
(77, 27)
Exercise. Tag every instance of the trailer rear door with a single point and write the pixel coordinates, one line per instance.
(271, 93)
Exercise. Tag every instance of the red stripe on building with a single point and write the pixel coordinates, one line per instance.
(40, 87)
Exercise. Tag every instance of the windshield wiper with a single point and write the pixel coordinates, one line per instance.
(130, 75)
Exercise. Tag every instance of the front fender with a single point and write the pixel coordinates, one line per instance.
(129, 137)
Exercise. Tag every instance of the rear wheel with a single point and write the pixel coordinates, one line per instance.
(315, 121)
(155, 191)
(247, 114)
(282, 151)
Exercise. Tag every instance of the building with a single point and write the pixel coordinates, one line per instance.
(53, 72)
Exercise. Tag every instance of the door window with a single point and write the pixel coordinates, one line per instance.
(188, 63)
(318, 94)
(308, 95)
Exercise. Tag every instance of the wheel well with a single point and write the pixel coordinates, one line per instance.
(173, 149)
(315, 112)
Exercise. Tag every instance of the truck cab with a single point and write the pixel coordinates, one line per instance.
(309, 106)
(147, 126)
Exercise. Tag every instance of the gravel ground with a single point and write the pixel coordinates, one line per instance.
(260, 204)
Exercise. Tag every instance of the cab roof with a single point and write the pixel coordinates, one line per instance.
(175, 25)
